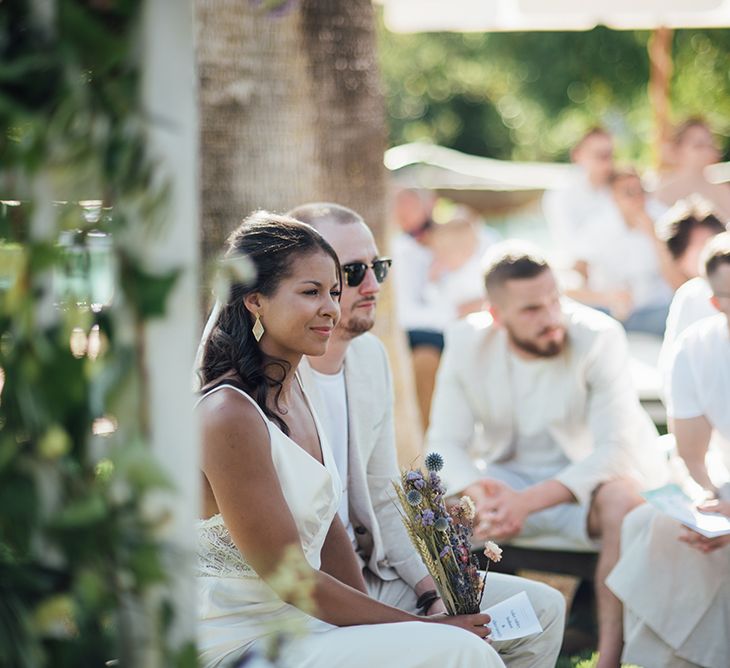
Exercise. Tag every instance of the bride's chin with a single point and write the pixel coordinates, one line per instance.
(316, 350)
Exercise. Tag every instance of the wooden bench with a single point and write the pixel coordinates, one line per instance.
(582, 624)
(581, 565)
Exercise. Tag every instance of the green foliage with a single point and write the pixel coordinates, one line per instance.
(80, 528)
(529, 95)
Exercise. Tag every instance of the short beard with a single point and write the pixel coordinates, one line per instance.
(354, 326)
(553, 348)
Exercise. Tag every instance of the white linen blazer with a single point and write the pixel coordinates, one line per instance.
(593, 414)
(382, 540)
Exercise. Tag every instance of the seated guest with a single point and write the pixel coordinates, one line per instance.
(570, 211)
(413, 256)
(352, 392)
(675, 588)
(628, 270)
(567, 444)
(677, 597)
(698, 393)
(456, 284)
(693, 148)
(432, 261)
(270, 486)
(686, 228)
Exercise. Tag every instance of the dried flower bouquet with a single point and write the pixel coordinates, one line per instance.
(442, 537)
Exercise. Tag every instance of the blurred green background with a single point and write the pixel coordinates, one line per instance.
(529, 96)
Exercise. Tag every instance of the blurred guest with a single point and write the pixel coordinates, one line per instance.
(693, 148)
(570, 211)
(698, 383)
(567, 445)
(422, 322)
(628, 270)
(437, 278)
(675, 588)
(679, 616)
(456, 284)
(685, 229)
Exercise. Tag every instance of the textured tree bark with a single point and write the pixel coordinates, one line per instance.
(291, 111)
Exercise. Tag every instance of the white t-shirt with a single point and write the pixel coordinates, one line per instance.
(699, 379)
(334, 422)
(622, 258)
(572, 212)
(691, 303)
(465, 284)
(411, 264)
(421, 305)
(533, 450)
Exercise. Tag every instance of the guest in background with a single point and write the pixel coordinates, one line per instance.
(698, 392)
(675, 583)
(422, 322)
(456, 283)
(628, 270)
(437, 278)
(692, 150)
(567, 445)
(571, 211)
(675, 588)
(685, 229)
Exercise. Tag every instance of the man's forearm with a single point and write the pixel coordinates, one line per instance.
(546, 495)
(698, 470)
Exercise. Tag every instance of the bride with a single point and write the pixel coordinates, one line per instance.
(270, 485)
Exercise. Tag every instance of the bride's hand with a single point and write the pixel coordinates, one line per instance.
(476, 624)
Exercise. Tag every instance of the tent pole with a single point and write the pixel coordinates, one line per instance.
(660, 77)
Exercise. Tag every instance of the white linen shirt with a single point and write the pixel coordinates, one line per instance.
(592, 411)
(699, 382)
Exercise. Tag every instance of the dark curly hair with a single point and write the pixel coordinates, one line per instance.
(270, 243)
(676, 225)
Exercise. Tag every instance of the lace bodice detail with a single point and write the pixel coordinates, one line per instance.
(311, 490)
(218, 555)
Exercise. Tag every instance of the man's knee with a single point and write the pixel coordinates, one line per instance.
(635, 523)
(613, 501)
(548, 602)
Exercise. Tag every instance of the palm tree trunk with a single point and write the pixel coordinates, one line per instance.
(291, 111)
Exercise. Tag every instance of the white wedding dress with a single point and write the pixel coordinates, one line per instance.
(237, 610)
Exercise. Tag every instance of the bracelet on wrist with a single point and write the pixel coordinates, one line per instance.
(426, 600)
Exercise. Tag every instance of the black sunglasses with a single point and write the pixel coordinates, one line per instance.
(355, 271)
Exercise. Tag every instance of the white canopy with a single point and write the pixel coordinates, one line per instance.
(517, 15)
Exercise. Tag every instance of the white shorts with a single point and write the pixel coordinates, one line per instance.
(567, 522)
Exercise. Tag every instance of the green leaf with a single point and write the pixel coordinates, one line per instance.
(147, 292)
(84, 512)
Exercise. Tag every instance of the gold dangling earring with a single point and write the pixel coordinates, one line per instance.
(258, 328)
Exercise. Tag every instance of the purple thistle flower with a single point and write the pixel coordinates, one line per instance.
(441, 524)
(434, 462)
(414, 497)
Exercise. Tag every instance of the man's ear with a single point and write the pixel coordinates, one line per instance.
(494, 312)
(253, 302)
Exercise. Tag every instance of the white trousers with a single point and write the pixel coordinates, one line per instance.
(401, 645)
(537, 651)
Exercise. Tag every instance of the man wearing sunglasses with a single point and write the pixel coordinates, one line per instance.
(352, 392)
